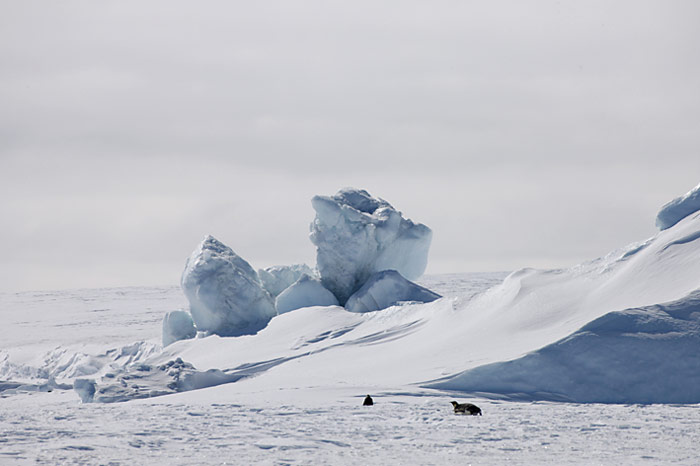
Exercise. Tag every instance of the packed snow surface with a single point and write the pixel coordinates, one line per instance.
(305, 292)
(679, 208)
(385, 289)
(357, 235)
(224, 291)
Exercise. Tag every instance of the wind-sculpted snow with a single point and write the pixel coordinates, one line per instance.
(357, 235)
(387, 288)
(642, 355)
(178, 325)
(305, 292)
(679, 208)
(278, 278)
(224, 291)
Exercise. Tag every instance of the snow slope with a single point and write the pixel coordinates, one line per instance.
(642, 355)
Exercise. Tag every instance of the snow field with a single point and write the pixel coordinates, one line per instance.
(398, 429)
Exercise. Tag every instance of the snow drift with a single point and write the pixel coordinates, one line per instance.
(357, 235)
(679, 208)
(642, 355)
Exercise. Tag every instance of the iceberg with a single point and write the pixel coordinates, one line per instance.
(177, 325)
(306, 292)
(224, 291)
(678, 209)
(357, 235)
(278, 278)
(385, 289)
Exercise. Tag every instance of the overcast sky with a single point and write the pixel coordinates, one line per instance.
(524, 133)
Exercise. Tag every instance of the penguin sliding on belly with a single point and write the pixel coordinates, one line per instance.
(466, 408)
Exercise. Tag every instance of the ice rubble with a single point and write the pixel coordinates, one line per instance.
(225, 293)
(147, 381)
(679, 208)
(305, 292)
(178, 325)
(357, 235)
(387, 288)
(278, 278)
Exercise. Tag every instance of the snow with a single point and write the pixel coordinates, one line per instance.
(305, 292)
(357, 235)
(314, 420)
(224, 291)
(641, 355)
(398, 429)
(679, 208)
(623, 329)
(278, 278)
(177, 325)
(387, 288)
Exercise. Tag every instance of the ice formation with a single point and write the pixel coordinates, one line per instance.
(305, 292)
(357, 235)
(278, 278)
(679, 208)
(385, 289)
(225, 293)
(148, 381)
(177, 325)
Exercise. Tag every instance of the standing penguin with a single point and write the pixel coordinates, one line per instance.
(368, 401)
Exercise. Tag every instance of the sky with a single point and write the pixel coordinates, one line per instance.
(524, 133)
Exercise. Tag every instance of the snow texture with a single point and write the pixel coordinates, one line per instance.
(385, 289)
(641, 355)
(357, 235)
(278, 278)
(332, 428)
(306, 292)
(679, 208)
(178, 325)
(224, 291)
